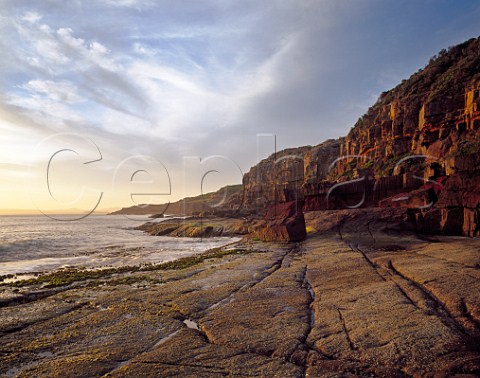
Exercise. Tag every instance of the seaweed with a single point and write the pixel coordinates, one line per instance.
(68, 276)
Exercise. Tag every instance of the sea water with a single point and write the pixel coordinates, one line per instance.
(39, 244)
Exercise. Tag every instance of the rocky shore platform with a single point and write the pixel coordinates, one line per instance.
(199, 227)
(357, 300)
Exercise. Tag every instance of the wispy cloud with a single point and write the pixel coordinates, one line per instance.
(62, 91)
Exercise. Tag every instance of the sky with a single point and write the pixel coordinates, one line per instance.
(112, 103)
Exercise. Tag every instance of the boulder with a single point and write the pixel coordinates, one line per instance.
(283, 223)
(283, 210)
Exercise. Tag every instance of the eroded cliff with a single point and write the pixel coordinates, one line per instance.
(430, 114)
(416, 148)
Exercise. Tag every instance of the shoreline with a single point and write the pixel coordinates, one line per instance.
(17, 276)
(37, 245)
(341, 302)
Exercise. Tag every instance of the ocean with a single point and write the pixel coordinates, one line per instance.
(31, 244)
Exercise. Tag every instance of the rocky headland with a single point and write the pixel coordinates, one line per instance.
(198, 227)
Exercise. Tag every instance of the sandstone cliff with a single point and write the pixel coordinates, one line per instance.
(286, 172)
(430, 114)
(417, 148)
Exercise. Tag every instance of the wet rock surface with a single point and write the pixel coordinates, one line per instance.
(357, 300)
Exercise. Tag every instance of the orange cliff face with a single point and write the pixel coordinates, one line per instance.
(429, 114)
(281, 176)
(417, 135)
(434, 128)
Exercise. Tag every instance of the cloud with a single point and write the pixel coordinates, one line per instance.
(59, 53)
(64, 91)
(32, 17)
(55, 51)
